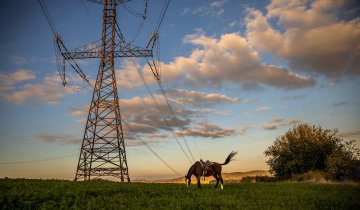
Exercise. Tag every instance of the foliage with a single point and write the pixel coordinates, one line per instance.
(305, 148)
(258, 179)
(311, 176)
(57, 194)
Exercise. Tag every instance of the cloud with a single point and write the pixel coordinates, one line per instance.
(245, 128)
(276, 122)
(294, 97)
(18, 76)
(60, 139)
(270, 126)
(339, 104)
(263, 108)
(218, 3)
(67, 139)
(250, 100)
(137, 142)
(185, 11)
(229, 59)
(198, 98)
(311, 36)
(214, 9)
(49, 90)
(74, 111)
(349, 134)
(277, 119)
(207, 130)
(214, 62)
(141, 115)
(127, 77)
(232, 24)
(17, 60)
(156, 135)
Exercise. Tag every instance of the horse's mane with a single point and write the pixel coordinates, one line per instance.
(191, 169)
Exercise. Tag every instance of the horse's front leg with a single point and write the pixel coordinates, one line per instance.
(198, 181)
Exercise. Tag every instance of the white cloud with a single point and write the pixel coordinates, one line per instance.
(349, 134)
(214, 9)
(17, 60)
(250, 100)
(277, 119)
(18, 76)
(207, 130)
(60, 139)
(144, 117)
(276, 122)
(156, 135)
(218, 3)
(213, 63)
(294, 97)
(14, 89)
(313, 39)
(245, 128)
(233, 24)
(229, 59)
(137, 142)
(199, 98)
(49, 90)
(263, 108)
(185, 11)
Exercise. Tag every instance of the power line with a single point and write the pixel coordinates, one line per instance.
(61, 45)
(162, 160)
(38, 160)
(48, 17)
(163, 12)
(173, 116)
(90, 15)
(158, 107)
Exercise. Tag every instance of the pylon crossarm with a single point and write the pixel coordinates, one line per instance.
(101, 1)
(98, 54)
(62, 49)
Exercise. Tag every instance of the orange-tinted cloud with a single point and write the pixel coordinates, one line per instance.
(313, 37)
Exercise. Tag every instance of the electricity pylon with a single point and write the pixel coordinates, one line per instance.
(103, 152)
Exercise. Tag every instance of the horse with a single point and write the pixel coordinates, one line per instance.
(214, 169)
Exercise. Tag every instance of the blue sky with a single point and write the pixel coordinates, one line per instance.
(239, 73)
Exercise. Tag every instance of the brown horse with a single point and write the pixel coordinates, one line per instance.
(214, 170)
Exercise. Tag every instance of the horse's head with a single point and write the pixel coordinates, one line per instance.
(187, 181)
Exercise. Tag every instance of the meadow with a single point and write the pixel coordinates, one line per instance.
(61, 194)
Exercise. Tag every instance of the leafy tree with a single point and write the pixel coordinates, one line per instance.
(305, 148)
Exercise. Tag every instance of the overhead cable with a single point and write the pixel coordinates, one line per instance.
(147, 145)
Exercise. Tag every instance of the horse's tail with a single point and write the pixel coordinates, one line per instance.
(229, 158)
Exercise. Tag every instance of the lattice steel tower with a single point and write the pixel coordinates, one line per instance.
(103, 152)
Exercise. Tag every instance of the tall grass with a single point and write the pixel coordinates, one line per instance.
(55, 194)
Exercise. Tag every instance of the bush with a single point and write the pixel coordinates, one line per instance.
(311, 148)
(258, 179)
(311, 176)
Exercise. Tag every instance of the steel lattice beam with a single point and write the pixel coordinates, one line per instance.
(117, 54)
(103, 152)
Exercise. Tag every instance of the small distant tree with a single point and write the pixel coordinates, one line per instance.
(311, 148)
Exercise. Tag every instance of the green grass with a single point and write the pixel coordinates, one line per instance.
(56, 194)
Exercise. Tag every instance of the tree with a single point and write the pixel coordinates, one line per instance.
(305, 148)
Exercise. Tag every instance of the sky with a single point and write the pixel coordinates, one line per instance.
(239, 74)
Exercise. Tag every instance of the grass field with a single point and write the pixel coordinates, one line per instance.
(56, 194)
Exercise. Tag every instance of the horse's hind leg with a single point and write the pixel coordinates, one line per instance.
(221, 181)
(217, 180)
